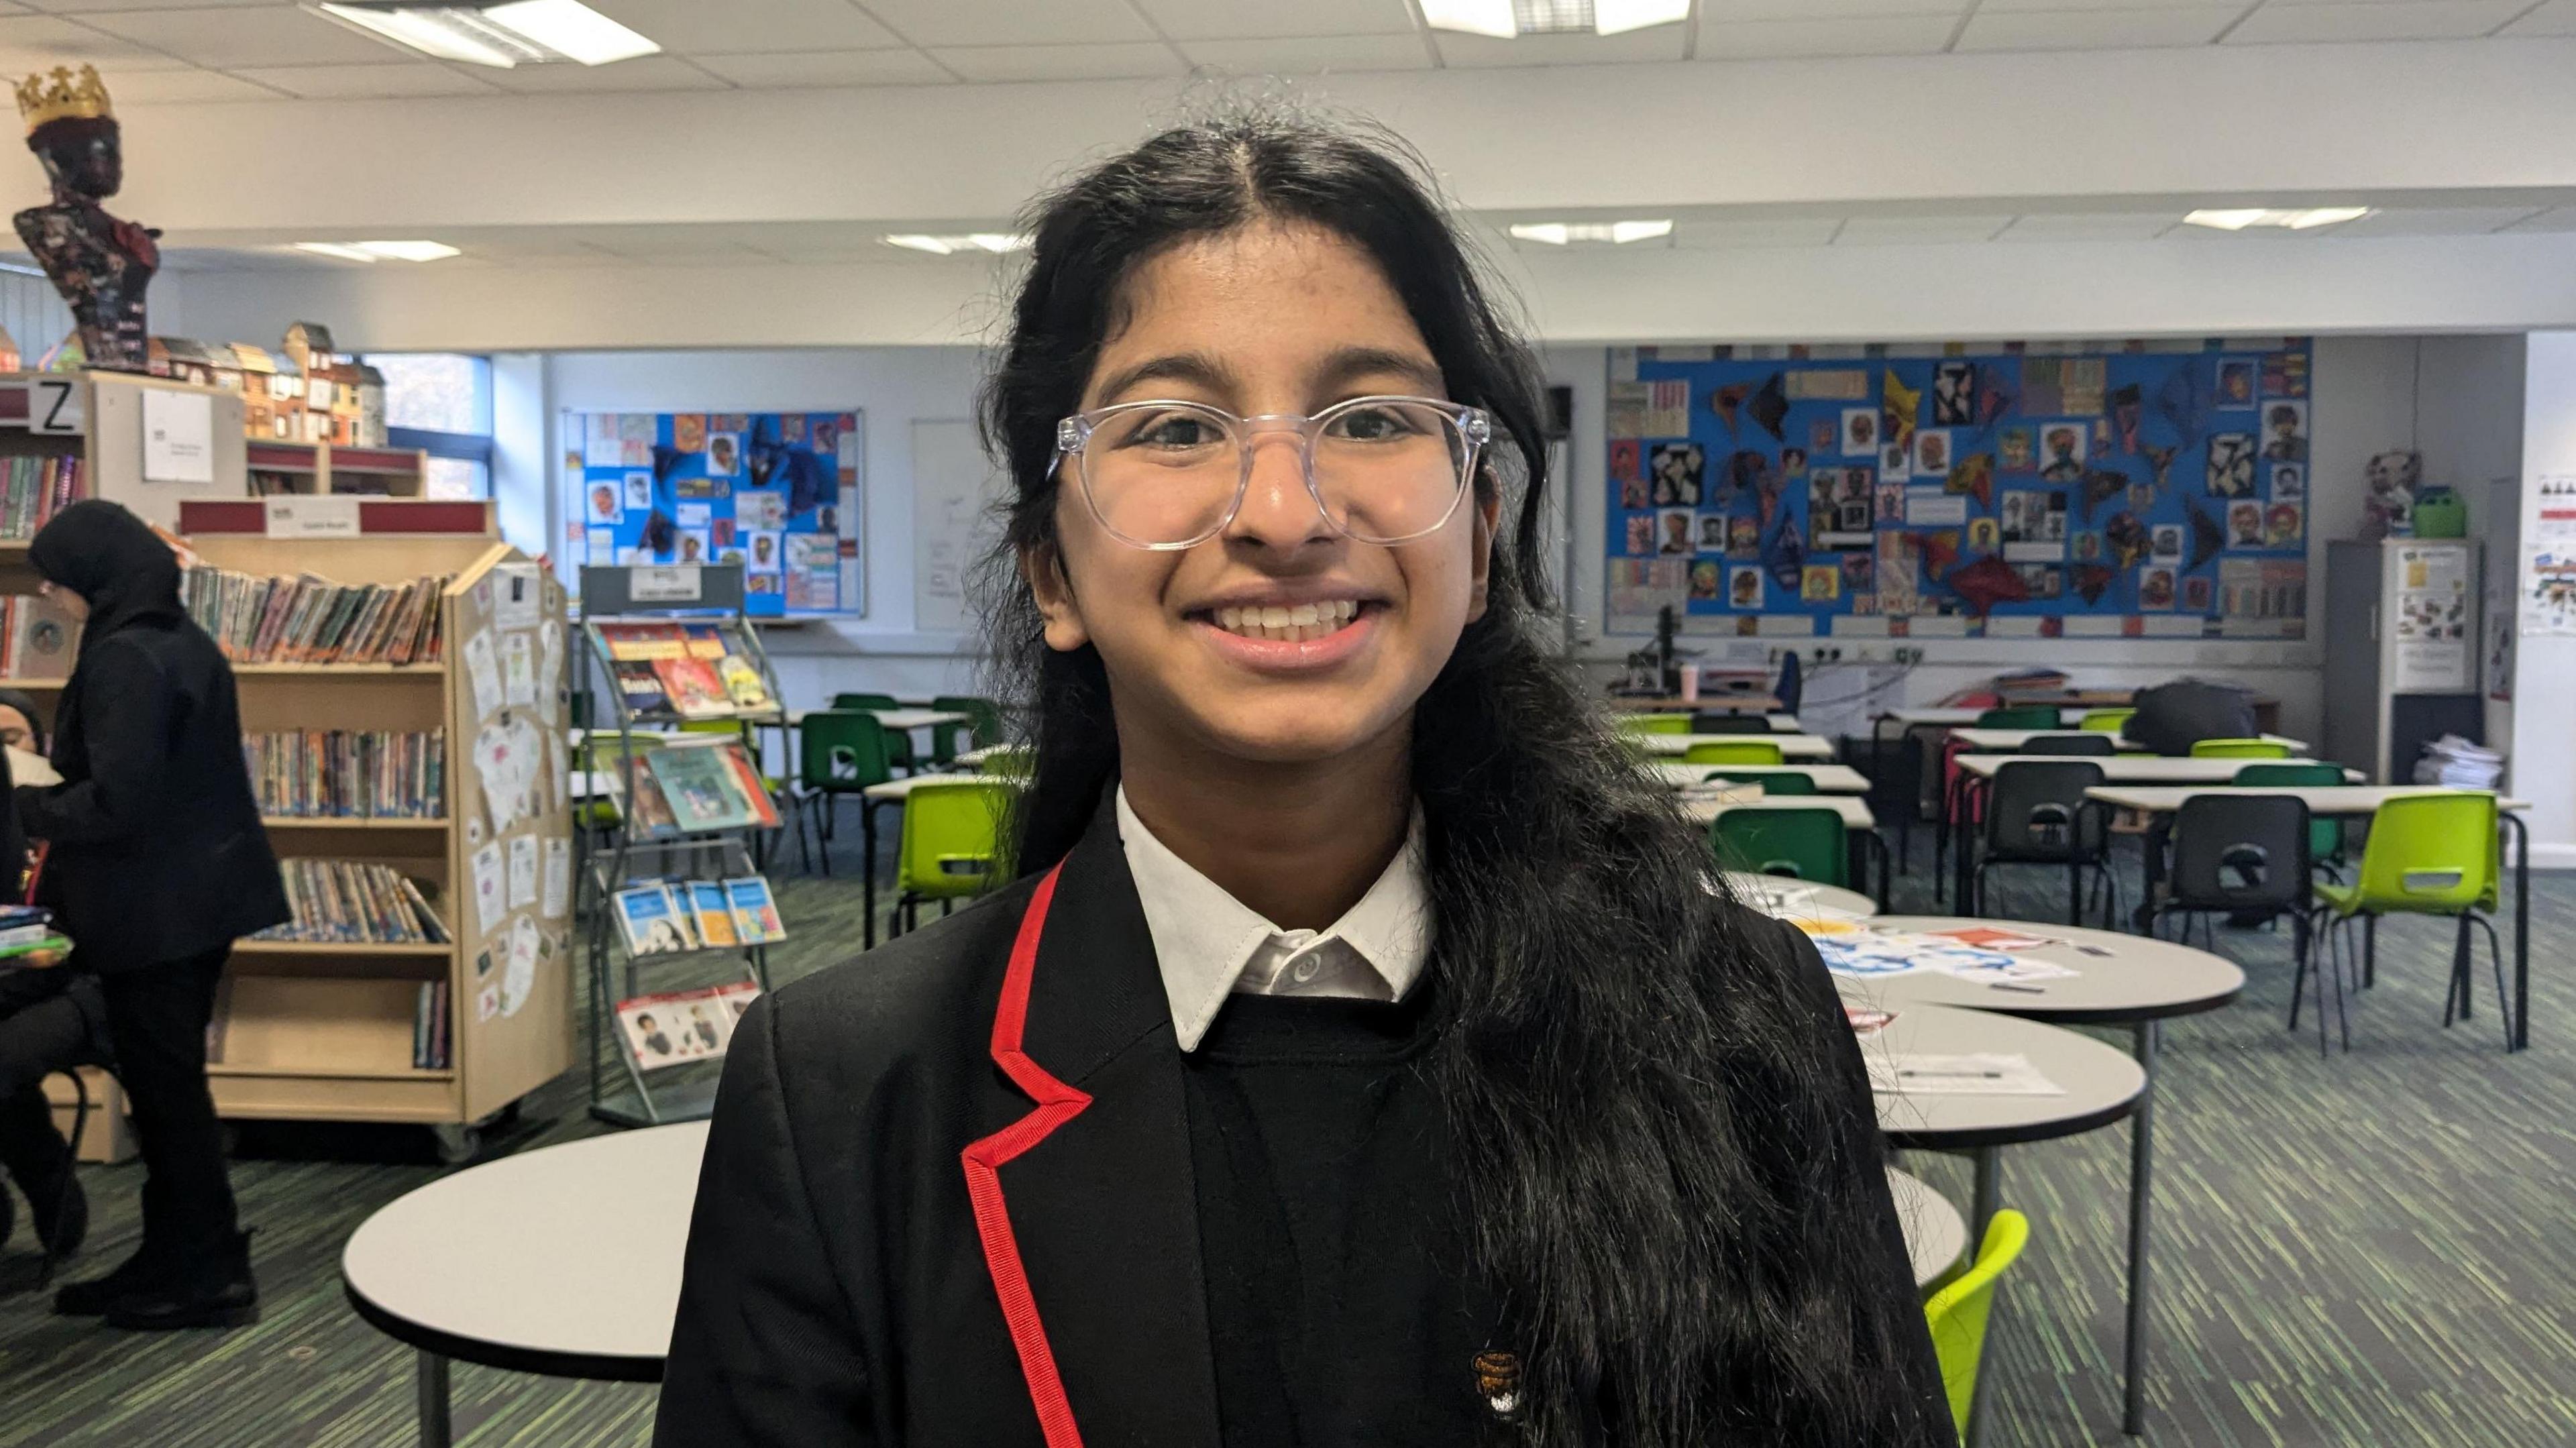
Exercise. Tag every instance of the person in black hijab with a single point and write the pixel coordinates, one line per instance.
(158, 863)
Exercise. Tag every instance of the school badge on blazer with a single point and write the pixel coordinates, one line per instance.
(1498, 1378)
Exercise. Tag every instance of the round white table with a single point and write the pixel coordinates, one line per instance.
(1789, 899)
(563, 1261)
(1936, 1236)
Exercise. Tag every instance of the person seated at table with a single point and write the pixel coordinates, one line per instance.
(2173, 717)
(51, 1019)
(1362, 1055)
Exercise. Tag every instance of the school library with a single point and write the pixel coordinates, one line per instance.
(1626, 723)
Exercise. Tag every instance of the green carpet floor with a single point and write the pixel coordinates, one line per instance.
(2377, 1249)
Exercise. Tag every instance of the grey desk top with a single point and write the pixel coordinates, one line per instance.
(2102, 1082)
(1828, 778)
(1700, 809)
(2138, 978)
(1796, 899)
(2131, 768)
(1936, 1236)
(1794, 748)
(2324, 799)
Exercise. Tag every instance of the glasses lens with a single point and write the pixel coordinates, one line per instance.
(1389, 470)
(1165, 473)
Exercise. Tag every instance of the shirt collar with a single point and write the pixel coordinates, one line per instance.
(1204, 937)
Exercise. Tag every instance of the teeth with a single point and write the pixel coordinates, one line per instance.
(1302, 616)
(1292, 624)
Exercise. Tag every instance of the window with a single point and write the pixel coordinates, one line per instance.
(441, 402)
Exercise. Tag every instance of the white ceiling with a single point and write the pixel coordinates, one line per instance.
(167, 51)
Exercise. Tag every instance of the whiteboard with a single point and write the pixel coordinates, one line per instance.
(953, 490)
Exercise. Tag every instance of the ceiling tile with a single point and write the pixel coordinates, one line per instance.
(244, 35)
(1059, 62)
(1268, 19)
(718, 27)
(1723, 235)
(2438, 221)
(2091, 226)
(2378, 20)
(369, 82)
(1798, 39)
(34, 42)
(1344, 52)
(1011, 22)
(1729, 11)
(2558, 17)
(1918, 230)
(828, 68)
(2098, 30)
(1663, 42)
(651, 73)
(178, 87)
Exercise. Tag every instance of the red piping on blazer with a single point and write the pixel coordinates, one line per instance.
(1057, 1104)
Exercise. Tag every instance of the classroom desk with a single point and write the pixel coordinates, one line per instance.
(2267, 709)
(1794, 748)
(1936, 1236)
(2011, 739)
(2351, 801)
(1788, 899)
(563, 1261)
(1860, 827)
(977, 758)
(1828, 778)
(1725, 702)
(2125, 980)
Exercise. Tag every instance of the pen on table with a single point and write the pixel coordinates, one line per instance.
(2024, 989)
(1959, 1075)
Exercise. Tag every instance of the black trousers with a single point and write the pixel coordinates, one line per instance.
(156, 1022)
(53, 1034)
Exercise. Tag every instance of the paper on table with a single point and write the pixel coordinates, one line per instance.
(558, 881)
(523, 872)
(26, 768)
(1791, 902)
(1874, 953)
(1973, 1075)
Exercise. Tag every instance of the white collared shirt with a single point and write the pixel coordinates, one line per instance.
(1211, 945)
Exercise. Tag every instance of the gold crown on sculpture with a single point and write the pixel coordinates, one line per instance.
(63, 94)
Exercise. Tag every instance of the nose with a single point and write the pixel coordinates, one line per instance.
(1278, 511)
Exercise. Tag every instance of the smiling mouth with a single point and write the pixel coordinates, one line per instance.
(1297, 623)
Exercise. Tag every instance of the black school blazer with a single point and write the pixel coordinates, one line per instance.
(947, 1197)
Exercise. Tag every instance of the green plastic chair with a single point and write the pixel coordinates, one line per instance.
(1785, 782)
(1804, 844)
(952, 843)
(2325, 836)
(2019, 716)
(898, 750)
(2239, 749)
(2430, 854)
(2106, 720)
(1654, 724)
(840, 752)
(1733, 751)
(984, 725)
(1959, 1311)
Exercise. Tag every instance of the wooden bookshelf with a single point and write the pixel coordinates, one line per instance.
(279, 466)
(349, 822)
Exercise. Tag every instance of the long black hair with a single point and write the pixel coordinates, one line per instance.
(1644, 1106)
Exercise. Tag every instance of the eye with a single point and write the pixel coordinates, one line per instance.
(1174, 430)
(1373, 424)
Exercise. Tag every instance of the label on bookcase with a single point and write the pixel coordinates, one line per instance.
(54, 406)
(309, 516)
(670, 583)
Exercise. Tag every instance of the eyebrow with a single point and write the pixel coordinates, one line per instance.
(1348, 363)
(1196, 368)
(1343, 366)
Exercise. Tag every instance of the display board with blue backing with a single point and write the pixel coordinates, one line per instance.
(776, 492)
(2157, 491)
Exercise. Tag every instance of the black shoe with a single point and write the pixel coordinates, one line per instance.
(216, 1290)
(98, 1294)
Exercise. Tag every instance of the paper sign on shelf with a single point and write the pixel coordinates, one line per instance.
(550, 678)
(519, 670)
(558, 880)
(666, 583)
(178, 436)
(491, 892)
(523, 872)
(298, 515)
(521, 972)
(516, 595)
(484, 672)
(54, 406)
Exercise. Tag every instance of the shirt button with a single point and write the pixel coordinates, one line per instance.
(1304, 970)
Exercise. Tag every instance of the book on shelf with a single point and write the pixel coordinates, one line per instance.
(311, 620)
(711, 915)
(34, 488)
(349, 774)
(664, 917)
(348, 902)
(643, 642)
(430, 1047)
(693, 688)
(755, 910)
(674, 1028)
(640, 686)
(652, 920)
(710, 786)
(36, 638)
(712, 641)
(743, 682)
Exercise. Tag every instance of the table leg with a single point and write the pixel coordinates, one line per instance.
(2521, 931)
(2141, 1180)
(2151, 872)
(434, 1432)
(1986, 1199)
(868, 871)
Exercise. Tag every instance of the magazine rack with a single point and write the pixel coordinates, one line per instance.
(612, 754)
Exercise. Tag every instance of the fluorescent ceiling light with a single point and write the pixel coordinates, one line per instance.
(1616, 233)
(497, 34)
(1507, 19)
(990, 241)
(372, 251)
(2239, 218)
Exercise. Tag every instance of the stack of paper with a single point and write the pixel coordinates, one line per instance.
(1979, 1075)
(2454, 762)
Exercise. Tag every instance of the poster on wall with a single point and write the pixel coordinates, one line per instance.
(2549, 590)
(2432, 651)
(777, 492)
(1992, 491)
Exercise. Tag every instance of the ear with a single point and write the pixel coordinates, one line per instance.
(1489, 509)
(1043, 568)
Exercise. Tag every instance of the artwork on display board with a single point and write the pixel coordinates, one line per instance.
(2146, 491)
(777, 492)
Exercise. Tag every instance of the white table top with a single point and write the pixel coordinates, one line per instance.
(1828, 778)
(1793, 747)
(904, 719)
(2136, 978)
(2102, 1082)
(1936, 1236)
(2132, 768)
(894, 791)
(2016, 738)
(974, 758)
(1943, 714)
(1789, 899)
(1855, 812)
(571, 1249)
(2324, 799)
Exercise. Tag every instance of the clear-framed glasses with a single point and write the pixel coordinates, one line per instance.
(1170, 475)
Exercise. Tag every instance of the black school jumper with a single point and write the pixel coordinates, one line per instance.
(967, 1190)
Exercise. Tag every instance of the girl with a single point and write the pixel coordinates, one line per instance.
(1362, 1056)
